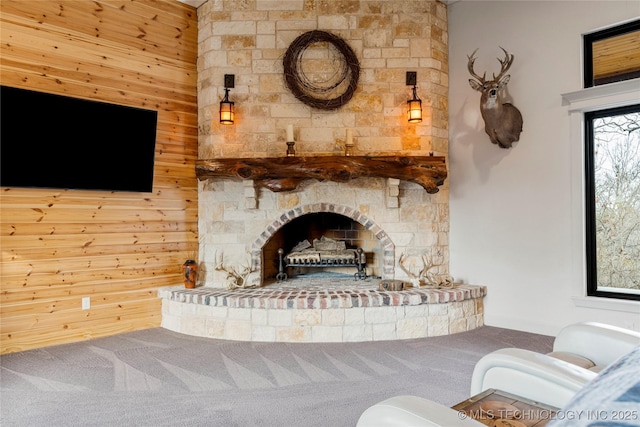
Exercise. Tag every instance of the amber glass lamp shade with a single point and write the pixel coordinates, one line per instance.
(414, 108)
(227, 109)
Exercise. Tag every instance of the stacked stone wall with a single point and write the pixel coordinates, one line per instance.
(249, 39)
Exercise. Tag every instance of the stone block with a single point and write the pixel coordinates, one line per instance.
(469, 307)
(439, 309)
(395, 52)
(239, 330)
(456, 311)
(438, 325)
(248, 188)
(307, 317)
(212, 57)
(259, 317)
(204, 310)
(334, 317)
(357, 333)
(392, 202)
(233, 28)
(266, 41)
(174, 308)
(191, 325)
(171, 322)
(288, 110)
(235, 42)
(411, 328)
(376, 315)
(458, 325)
(326, 334)
(421, 310)
(475, 321)
(280, 317)
(384, 331)
(189, 309)
(354, 316)
(293, 334)
(284, 5)
(239, 314)
(251, 203)
(214, 328)
(334, 22)
(263, 333)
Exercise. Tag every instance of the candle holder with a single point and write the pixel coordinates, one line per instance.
(290, 150)
(348, 149)
(348, 145)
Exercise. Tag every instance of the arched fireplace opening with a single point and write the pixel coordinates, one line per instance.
(316, 226)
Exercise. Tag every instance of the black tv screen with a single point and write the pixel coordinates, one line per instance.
(53, 141)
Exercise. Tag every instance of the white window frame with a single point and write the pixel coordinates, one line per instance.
(595, 98)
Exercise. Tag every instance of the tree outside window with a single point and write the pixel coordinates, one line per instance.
(613, 193)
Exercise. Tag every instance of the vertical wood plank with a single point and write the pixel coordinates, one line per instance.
(59, 246)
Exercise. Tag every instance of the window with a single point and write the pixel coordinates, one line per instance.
(595, 101)
(612, 55)
(612, 174)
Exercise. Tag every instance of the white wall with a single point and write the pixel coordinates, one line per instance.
(514, 223)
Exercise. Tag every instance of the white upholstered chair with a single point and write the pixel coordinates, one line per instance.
(580, 351)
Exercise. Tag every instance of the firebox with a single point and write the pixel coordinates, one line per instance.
(324, 242)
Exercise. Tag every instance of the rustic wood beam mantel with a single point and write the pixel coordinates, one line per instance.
(286, 173)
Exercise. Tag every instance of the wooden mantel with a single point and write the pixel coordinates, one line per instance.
(286, 173)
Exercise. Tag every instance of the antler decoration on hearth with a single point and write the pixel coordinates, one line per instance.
(425, 277)
(237, 276)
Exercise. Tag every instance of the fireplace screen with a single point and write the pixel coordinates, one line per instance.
(323, 253)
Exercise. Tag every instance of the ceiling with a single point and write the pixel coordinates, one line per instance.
(194, 3)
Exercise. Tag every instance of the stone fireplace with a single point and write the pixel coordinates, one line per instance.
(386, 217)
(390, 196)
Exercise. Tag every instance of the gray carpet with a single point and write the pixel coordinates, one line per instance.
(160, 378)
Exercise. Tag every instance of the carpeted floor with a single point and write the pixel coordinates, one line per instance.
(160, 378)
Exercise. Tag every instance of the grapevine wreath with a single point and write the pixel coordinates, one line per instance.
(334, 86)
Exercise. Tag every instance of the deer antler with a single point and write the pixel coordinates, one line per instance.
(505, 64)
(425, 277)
(428, 265)
(415, 279)
(237, 277)
(472, 60)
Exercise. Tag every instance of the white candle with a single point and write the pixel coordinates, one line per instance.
(349, 136)
(289, 132)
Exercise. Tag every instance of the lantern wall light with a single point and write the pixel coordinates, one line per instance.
(227, 108)
(414, 105)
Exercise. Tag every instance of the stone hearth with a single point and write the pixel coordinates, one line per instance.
(321, 310)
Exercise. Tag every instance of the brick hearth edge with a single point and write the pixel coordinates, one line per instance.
(332, 315)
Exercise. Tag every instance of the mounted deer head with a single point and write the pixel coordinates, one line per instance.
(502, 121)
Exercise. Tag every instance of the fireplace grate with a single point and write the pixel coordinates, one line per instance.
(324, 253)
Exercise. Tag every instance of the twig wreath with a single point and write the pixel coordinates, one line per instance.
(328, 89)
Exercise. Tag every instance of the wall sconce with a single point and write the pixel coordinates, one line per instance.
(227, 109)
(414, 104)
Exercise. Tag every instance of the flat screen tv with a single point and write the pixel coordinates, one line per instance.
(53, 141)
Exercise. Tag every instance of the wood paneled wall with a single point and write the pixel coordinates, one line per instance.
(117, 248)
